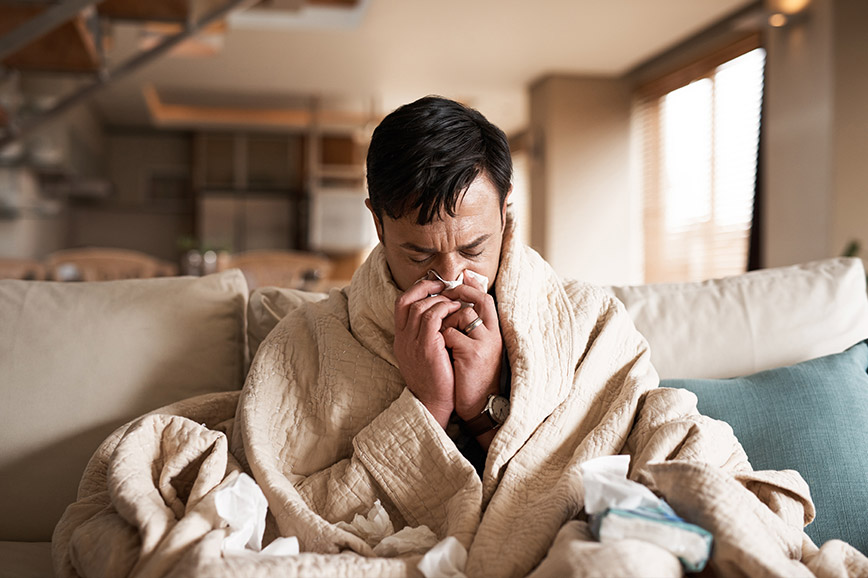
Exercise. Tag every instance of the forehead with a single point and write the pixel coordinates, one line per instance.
(477, 212)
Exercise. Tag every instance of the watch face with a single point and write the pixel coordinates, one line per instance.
(499, 408)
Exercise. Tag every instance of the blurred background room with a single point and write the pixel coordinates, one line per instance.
(653, 141)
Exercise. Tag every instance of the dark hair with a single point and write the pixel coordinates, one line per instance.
(425, 155)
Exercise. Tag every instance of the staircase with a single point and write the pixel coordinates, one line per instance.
(72, 37)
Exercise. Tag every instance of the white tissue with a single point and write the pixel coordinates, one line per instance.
(445, 560)
(282, 547)
(478, 277)
(407, 541)
(607, 486)
(378, 531)
(242, 505)
(371, 528)
(449, 284)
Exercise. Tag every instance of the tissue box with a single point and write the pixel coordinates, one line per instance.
(660, 526)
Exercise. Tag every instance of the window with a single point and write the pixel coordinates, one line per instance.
(700, 141)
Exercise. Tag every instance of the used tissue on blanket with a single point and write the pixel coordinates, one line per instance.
(242, 506)
(447, 559)
(623, 509)
(378, 531)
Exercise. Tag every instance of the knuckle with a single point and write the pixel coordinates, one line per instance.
(402, 302)
(430, 315)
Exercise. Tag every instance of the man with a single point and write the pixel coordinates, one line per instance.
(368, 380)
(448, 218)
(346, 421)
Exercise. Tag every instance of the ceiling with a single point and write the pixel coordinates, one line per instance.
(387, 52)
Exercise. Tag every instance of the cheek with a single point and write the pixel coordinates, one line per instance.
(494, 264)
(488, 267)
(404, 272)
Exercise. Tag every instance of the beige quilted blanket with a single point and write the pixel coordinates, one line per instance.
(326, 427)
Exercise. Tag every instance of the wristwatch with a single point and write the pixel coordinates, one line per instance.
(492, 417)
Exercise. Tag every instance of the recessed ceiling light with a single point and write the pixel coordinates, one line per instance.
(777, 20)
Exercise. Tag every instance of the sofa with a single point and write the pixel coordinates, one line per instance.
(779, 354)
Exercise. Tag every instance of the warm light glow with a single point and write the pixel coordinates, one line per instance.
(790, 6)
(777, 20)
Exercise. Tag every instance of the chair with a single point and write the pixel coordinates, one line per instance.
(293, 269)
(25, 269)
(102, 264)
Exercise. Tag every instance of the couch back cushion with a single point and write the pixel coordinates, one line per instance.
(268, 305)
(78, 360)
(752, 322)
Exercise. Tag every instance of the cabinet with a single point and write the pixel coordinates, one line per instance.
(249, 161)
(250, 191)
(258, 190)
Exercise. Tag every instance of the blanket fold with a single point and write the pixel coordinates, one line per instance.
(326, 427)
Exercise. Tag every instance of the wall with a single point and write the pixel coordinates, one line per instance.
(584, 220)
(134, 217)
(814, 157)
(816, 140)
(797, 142)
(850, 141)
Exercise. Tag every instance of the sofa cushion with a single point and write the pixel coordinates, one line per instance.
(78, 360)
(748, 323)
(811, 417)
(25, 560)
(267, 306)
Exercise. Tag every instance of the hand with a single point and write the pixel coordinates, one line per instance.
(420, 347)
(477, 357)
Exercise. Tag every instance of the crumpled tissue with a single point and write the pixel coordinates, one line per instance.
(479, 277)
(445, 560)
(242, 506)
(623, 509)
(378, 531)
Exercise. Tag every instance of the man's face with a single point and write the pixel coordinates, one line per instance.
(469, 240)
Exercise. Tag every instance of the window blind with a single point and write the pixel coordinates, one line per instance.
(699, 143)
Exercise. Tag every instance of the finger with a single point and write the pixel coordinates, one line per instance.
(421, 309)
(483, 303)
(461, 318)
(431, 320)
(455, 339)
(421, 290)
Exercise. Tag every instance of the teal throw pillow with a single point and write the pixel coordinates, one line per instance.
(811, 417)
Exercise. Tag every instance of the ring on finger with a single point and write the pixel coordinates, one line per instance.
(472, 325)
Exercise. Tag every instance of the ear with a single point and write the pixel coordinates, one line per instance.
(503, 210)
(377, 223)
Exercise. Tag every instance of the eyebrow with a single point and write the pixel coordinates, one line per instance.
(472, 245)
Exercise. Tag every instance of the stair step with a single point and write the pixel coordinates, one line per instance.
(68, 48)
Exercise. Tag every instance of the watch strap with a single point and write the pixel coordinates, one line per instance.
(484, 422)
(480, 424)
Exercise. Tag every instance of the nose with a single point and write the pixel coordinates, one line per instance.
(450, 266)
